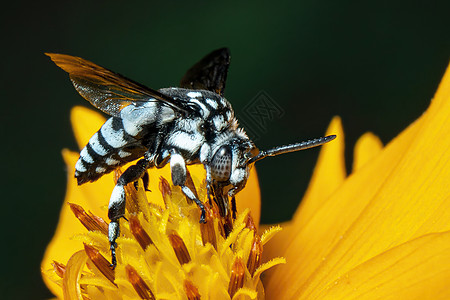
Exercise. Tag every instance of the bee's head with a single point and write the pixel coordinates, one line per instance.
(232, 159)
(230, 163)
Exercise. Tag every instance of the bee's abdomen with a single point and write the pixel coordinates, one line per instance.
(107, 149)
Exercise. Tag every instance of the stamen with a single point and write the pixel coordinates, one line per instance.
(191, 290)
(100, 262)
(249, 223)
(255, 256)
(180, 248)
(59, 268)
(89, 221)
(138, 284)
(164, 188)
(236, 277)
(139, 233)
(234, 246)
(207, 229)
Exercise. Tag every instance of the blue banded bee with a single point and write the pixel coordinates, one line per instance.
(191, 124)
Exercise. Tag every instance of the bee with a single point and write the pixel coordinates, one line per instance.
(190, 124)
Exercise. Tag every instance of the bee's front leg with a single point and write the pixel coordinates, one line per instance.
(116, 208)
(232, 193)
(178, 170)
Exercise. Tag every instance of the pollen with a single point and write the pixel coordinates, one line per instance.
(165, 253)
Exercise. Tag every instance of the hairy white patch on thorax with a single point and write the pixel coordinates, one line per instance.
(194, 94)
(223, 101)
(213, 103)
(135, 116)
(189, 125)
(204, 110)
(166, 115)
(219, 122)
(186, 141)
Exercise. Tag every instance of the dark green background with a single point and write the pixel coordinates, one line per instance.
(376, 64)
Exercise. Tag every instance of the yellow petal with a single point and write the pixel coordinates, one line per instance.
(401, 195)
(61, 247)
(154, 174)
(72, 276)
(417, 269)
(92, 196)
(367, 148)
(328, 175)
(85, 122)
(250, 197)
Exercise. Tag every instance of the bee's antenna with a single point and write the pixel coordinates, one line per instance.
(292, 148)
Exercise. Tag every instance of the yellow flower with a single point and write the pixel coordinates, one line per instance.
(383, 232)
(163, 252)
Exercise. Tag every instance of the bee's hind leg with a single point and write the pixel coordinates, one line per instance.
(116, 208)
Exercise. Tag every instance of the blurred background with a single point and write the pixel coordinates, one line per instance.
(375, 64)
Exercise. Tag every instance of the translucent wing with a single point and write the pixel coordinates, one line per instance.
(105, 89)
(210, 73)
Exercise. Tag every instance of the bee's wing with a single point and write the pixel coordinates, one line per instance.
(106, 90)
(210, 73)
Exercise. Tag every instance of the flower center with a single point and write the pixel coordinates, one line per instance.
(164, 252)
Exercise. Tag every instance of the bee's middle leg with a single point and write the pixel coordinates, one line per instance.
(116, 208)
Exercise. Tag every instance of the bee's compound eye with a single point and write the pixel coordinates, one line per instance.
(221, 164)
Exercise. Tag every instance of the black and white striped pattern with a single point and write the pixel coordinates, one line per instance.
(138, 130)
(128, 137)
(211, 117)
(107, 149)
